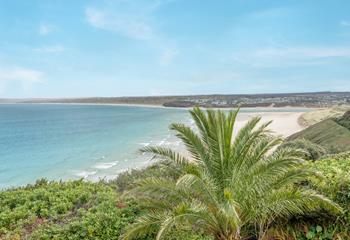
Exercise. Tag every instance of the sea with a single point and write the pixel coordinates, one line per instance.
(93, 142)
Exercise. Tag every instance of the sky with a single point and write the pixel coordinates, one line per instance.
(86, 48)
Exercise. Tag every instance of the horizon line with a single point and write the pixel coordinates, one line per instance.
(184, 95)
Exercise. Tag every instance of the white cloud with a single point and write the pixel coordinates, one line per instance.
(168, 56)
(24, 76)
(128, 18)
(345, 23)
(45, 29)
(50, 49)
(125, 24)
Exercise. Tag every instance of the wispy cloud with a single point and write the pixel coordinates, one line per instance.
(24, 76)
(132, 19)
(50, 49)
(345, 23)
(168, 56)
(136, 26)
(45, 29)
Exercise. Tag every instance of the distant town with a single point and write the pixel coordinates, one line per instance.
(315, 99)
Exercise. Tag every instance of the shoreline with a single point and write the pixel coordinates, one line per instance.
(161, 106)
(284, 123)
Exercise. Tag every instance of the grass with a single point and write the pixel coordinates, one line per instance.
(328, 133)
(309, 118)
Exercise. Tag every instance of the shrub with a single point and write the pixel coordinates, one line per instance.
(335, 184)
(344, 120)
(126, 180)
(313, 151)
(71, 210)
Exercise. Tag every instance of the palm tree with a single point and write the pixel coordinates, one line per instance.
(229, 182)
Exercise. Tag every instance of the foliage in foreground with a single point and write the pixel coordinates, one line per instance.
(335, 184)
(25, 220)
(230, 187)
(70, 210)
(126, 180)
(336, 181)
(312, 150)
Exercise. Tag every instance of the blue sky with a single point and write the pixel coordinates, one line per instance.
(86, 48)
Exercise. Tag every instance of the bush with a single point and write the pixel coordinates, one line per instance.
(344, 120)
(336, 178)
(313, 151)
(71, 210)
(125, 180)
(335, 184)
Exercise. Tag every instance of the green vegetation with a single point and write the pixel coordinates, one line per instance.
(344, 120)
(227, 189)
(70, 210)
(126, 180)
(335, 183)
(56, 210)
(312, 151)
(312, 117)
(333, 137)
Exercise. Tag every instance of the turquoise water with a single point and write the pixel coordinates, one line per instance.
(79, 141)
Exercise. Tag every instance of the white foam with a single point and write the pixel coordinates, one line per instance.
(85, 174)
(145, 144)
(105, 165)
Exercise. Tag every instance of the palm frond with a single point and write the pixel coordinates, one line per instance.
(167, 154)
(228, 182)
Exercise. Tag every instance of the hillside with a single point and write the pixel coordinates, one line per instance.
(333, 134)
(344, 120)
(312, 117)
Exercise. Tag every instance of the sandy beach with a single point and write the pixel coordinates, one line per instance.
(283, 123)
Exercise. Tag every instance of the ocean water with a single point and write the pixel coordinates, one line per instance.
(57, 141)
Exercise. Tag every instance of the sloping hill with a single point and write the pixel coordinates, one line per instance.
(329, 134)
(309, 118)
(344, 120)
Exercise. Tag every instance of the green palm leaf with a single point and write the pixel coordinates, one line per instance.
(228, 182)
